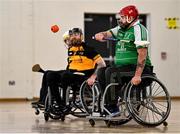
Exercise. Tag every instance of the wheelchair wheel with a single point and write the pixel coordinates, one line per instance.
(50, 111)
(148, 103)
(87, 95)
(54, 117)
(37, 111)
(92, 122)
(46, 116)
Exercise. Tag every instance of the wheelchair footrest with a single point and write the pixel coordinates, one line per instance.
(98, 116)
(95, 117)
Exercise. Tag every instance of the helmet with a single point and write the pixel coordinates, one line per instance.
(66, 39)
(130, 11)
(66, 36)
(75, 30)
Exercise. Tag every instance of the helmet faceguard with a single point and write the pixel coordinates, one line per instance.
(127, 15)
(66, 38)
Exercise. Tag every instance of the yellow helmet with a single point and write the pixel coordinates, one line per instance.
(66, 36)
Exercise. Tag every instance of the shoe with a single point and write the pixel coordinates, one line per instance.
(55, 104)
(35, 103)
(37, 68)
(60, 107)
(38, 104)
(41, 105)
(113, 109)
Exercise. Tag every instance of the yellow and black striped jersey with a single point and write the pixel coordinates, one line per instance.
(82, 58)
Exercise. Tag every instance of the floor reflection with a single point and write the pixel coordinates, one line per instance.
(20, 118)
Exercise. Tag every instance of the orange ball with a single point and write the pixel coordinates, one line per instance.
(54, 28)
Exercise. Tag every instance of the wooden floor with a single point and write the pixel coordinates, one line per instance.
(19, 117)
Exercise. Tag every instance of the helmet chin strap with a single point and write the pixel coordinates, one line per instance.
(128, 20)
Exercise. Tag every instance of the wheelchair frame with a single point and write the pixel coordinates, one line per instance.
(130, 109)
(73, 105)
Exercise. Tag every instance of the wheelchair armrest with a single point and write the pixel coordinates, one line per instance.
(79, 73)
(152, 74)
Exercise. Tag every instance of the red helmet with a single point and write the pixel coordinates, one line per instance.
(130, 10)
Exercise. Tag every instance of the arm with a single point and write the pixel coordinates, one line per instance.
(99, 36)
(142, 53)
(100, 63)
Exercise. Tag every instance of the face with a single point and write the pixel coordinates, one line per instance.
(122, 20)
(75, 39)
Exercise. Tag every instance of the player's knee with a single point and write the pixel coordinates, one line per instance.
(52, 77)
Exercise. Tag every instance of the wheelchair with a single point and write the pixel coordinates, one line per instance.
(50, 109)
(148, 103)
(73, 104)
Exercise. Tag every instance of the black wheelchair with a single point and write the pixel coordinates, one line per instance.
(51, 110)
(148, 103)
(73, 104)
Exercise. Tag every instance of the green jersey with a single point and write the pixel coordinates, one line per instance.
(129, 41)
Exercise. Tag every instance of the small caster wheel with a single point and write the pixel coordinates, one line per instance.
(46, 116)
(92, 122)
(37, 112)
(165, 123)
(108, 123)
(63, 118)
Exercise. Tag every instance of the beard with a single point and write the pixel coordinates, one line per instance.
(76, 42)
(122, 25)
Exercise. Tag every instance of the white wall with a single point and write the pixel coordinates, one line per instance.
(16, 48)
(26, 38)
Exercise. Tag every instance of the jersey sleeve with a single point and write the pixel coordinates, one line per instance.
(141, 36)
(114, 31)
(91, 53)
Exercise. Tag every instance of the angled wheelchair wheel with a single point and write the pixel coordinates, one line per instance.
(46, 116)
(148, 103)
(89, 97)
(47, 107)
(37, 112)
(54, 116)
(49, 112)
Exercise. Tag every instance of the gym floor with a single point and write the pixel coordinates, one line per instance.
(19, 117)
